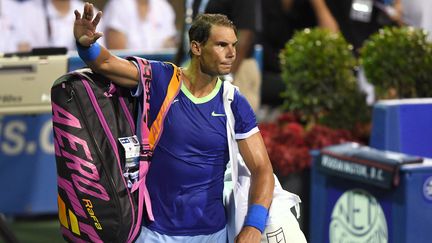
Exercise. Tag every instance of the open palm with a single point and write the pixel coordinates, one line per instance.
(85, 26)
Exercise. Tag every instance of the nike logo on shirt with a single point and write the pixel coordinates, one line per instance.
(217, 114)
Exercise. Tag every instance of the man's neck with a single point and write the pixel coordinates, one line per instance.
(198, 83)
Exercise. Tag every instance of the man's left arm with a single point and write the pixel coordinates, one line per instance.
(256, 158)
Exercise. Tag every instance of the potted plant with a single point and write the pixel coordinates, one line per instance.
(318, 71)
(322, 100)
(398, 62)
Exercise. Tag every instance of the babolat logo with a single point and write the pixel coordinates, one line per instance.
(8, 98)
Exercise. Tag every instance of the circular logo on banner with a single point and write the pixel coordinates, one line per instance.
(358, 217)
(427, 188)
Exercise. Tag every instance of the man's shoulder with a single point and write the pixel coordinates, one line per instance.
(238, 96)
(162, 67)
(162, 74)
(233, 92)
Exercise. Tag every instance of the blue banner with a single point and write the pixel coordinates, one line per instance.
(28, 183)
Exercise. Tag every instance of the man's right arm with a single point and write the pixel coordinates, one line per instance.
(119, 70)
(98, 58)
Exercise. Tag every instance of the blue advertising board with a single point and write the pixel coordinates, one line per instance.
(27, 165)
(343, 210)
(403, 126)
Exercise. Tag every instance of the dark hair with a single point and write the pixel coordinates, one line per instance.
(201, 26)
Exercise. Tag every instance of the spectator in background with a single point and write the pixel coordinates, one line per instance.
(33, 31)
(59, 21)
(146, 25)
(49, 18)
(40, 20)
(8, 26)
(281, 18)
(323, 15)
(19, 34)
(356, 25)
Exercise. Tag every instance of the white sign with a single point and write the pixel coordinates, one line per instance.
(357, 217)
(427, 188)
(15, 137)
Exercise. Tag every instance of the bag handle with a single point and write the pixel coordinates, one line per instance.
(142, 132)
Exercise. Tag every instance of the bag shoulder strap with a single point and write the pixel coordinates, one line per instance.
(142, 132)
(145, 74)
(228, 98)
(149, 137)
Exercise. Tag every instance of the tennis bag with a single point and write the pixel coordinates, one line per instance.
(93, 121)
(102, 194)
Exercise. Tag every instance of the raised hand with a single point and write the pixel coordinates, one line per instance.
(85, 27)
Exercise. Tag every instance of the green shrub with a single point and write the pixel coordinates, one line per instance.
(318, 71)
(398, 59)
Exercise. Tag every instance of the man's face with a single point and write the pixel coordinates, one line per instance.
(218, 53)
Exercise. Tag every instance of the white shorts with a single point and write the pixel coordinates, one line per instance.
(149, 236)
